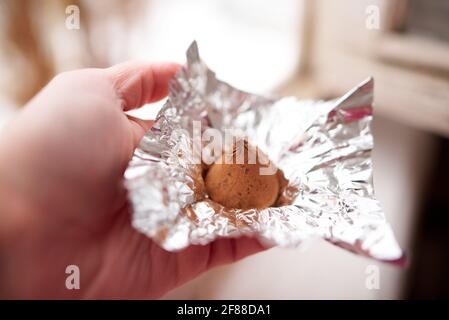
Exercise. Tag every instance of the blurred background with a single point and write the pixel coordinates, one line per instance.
(308, 48)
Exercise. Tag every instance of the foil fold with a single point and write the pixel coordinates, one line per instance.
(322, 147)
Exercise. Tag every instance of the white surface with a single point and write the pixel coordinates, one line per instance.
(253, 45)
(241, 42)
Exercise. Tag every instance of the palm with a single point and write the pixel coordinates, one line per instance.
(82, 143)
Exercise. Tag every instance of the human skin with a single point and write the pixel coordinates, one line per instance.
(62, 200)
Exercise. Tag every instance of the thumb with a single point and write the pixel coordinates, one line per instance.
(137, 83)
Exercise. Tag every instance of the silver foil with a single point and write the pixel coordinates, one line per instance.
(322, 147)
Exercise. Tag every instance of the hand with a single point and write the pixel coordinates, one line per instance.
(61, 197)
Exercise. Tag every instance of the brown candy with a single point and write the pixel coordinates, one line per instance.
(241, 185)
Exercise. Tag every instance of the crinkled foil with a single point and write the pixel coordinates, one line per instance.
(322, 147)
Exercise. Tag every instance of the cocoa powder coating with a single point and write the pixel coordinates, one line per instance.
(241, 185)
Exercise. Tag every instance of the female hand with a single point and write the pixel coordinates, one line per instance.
(61, 196)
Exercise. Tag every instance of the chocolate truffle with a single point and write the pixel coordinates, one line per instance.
(242, 185)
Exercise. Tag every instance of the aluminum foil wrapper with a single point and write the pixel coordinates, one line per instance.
(322, 147)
